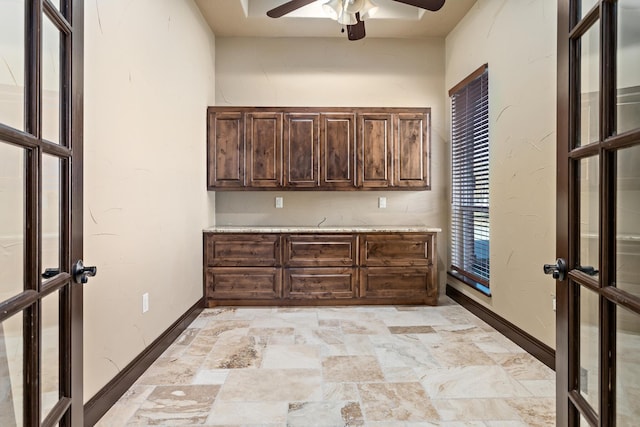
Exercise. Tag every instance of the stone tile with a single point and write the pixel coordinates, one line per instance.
(316, 365)
(325, 414)
(291, 357)
(475, 409)
(271, 332)
(272, 385)
(171, 370)
(247, 413)
(523, 366)
(225, 327)
(459, 354)
(211, 376)
(399, 374)
(177, 405)
(403, 351)
(136, 394)
(540, 388)
(364, 327)
(351, 369)
(235, 352)
(396, 402)
(536, 412)
(470, 382)
(411, 329)
(358, 345)
(340, 391)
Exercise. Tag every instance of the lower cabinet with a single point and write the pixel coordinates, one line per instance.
(398, 282)
(319, 283)
(320, 269)
(242, 283)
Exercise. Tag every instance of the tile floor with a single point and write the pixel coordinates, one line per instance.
(330, 366)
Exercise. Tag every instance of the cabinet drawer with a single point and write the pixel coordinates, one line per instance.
(320, 250)
(252, 250)
(409, 249)
(319, 283)
(243, 283)
(394, 282)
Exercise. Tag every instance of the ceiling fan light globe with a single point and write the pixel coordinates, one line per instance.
(347, 18)
(332, 9)
(368, 9)
(352, 6)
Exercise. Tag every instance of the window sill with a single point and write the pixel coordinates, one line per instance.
(479, 287)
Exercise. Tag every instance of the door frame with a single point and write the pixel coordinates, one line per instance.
(572, 25)
(68, 20)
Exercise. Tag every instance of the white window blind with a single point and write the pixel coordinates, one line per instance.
(470, 176)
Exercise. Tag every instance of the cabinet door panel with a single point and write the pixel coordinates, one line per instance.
(301, 136)
(320, 250)
(264, 145)
(242, 250)
(337, 150)
(319, 283)
(411, 151)
(375, 149)
(243, 283)
(225, 166)
(407, 249)
(398, 282)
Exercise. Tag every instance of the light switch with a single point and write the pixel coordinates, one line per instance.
(382, 202)
(279, 202)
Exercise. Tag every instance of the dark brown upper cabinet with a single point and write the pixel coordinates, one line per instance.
(375, 144)
(225, 150)
(264, 148)
(411, 153)
(267, 148)
(301, 150)
(337, 151)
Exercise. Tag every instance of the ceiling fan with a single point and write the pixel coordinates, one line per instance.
(351, 13)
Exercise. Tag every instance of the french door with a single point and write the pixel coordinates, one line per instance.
(598, 224)
(40, 212)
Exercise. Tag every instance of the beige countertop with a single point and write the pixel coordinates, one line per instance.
(321, 229)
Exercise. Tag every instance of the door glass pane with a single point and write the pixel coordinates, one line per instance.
(589, 215)
(12, 238)
(628, 77)
(50, 81)
(12, 64)
(56, 3)
(627, 368)
(50, 378)
(586, 6)
(628, 220)
(11, 364)
(50, 212)
(589, 374)
(589, 130)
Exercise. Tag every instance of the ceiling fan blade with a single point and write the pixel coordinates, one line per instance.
(356, 32)
(431, 5)
(288, 7)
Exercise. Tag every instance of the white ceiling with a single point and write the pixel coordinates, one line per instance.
(247, 18)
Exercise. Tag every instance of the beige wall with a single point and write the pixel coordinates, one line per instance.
(518, 41)
(149, 68)
(337, 72)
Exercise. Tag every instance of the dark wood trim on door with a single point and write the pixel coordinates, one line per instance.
(563, 297)
(108, 395)
(529, 343)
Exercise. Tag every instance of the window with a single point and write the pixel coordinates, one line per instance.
(470, 180)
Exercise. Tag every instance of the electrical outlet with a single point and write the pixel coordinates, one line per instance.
(145, 302)
(382, 202)
(279, 202)
(553, 302)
